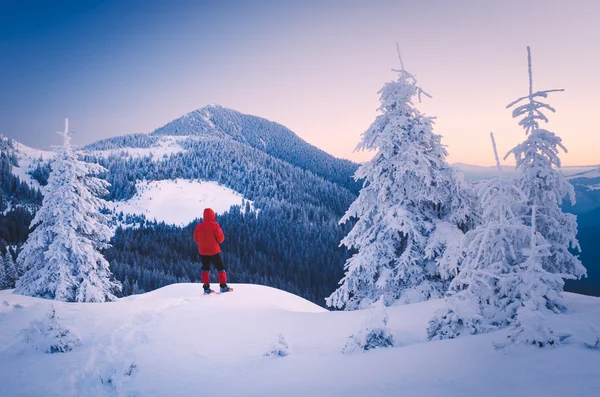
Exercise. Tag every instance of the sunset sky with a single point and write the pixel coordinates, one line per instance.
(122, 67)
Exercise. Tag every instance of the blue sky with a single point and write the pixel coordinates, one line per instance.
(120, 67)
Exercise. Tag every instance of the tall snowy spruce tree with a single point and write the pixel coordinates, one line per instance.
(62, 255)
(411, 208)
(544, 184)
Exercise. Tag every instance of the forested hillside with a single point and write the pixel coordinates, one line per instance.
(266, 136)
(289, 239)
(14, 219)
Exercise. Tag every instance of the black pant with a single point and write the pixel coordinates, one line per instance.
(214, 259)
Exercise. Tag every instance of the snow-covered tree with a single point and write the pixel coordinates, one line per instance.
(3, 203)
(11, 272)
(281, 348)
(482, 295)
(62, 255)
(3, 278)
(374, 333)
(539, 293)
(544, 184)
(49, 336)
(411, 207)
(515, 261)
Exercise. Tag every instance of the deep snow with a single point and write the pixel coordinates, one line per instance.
(185, 344)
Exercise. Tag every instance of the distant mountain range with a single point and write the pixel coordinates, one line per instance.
(478, 172)
(288, 238)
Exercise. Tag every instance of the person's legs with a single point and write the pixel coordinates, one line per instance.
(205, 274)
(221, 273)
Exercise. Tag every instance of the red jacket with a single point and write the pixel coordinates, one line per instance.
(208, 234)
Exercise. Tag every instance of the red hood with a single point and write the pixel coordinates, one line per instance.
(209, 215)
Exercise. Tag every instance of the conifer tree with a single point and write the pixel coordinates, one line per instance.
(544, 184)
(12, 273)
(408, 210)
(2, 201)
(62, 255)
(481, 295)
(537, 292)
(515, 261)
(3, 278)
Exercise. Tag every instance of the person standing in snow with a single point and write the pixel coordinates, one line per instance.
(208, 235)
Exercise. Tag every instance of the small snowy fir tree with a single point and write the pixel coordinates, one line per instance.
(544, 184)
(481, 294)
(62, 255)
(374, 334)
(539, 293)
(411, 208)
(49, 336)
(3, 278)
(10, 269)
(281, 348)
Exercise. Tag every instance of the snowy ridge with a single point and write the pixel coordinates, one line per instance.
(176, 342)
(593, 173)
(179, 201)
(28, 159)
(478, 172)
(166, 146)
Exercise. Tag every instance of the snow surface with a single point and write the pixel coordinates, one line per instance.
(167, 145)
(178, 201)
(184, 344)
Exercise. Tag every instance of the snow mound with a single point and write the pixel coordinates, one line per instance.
(179, 201)
(245, 296)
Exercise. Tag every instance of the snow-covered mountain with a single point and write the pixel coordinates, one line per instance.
(24, 160)
(241, 166)
(259, 341)
(216, 123)
(219, 157)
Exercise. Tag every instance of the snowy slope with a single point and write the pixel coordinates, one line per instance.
(163, 148)
(178, 201)
(185, 344)
(28, 158)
